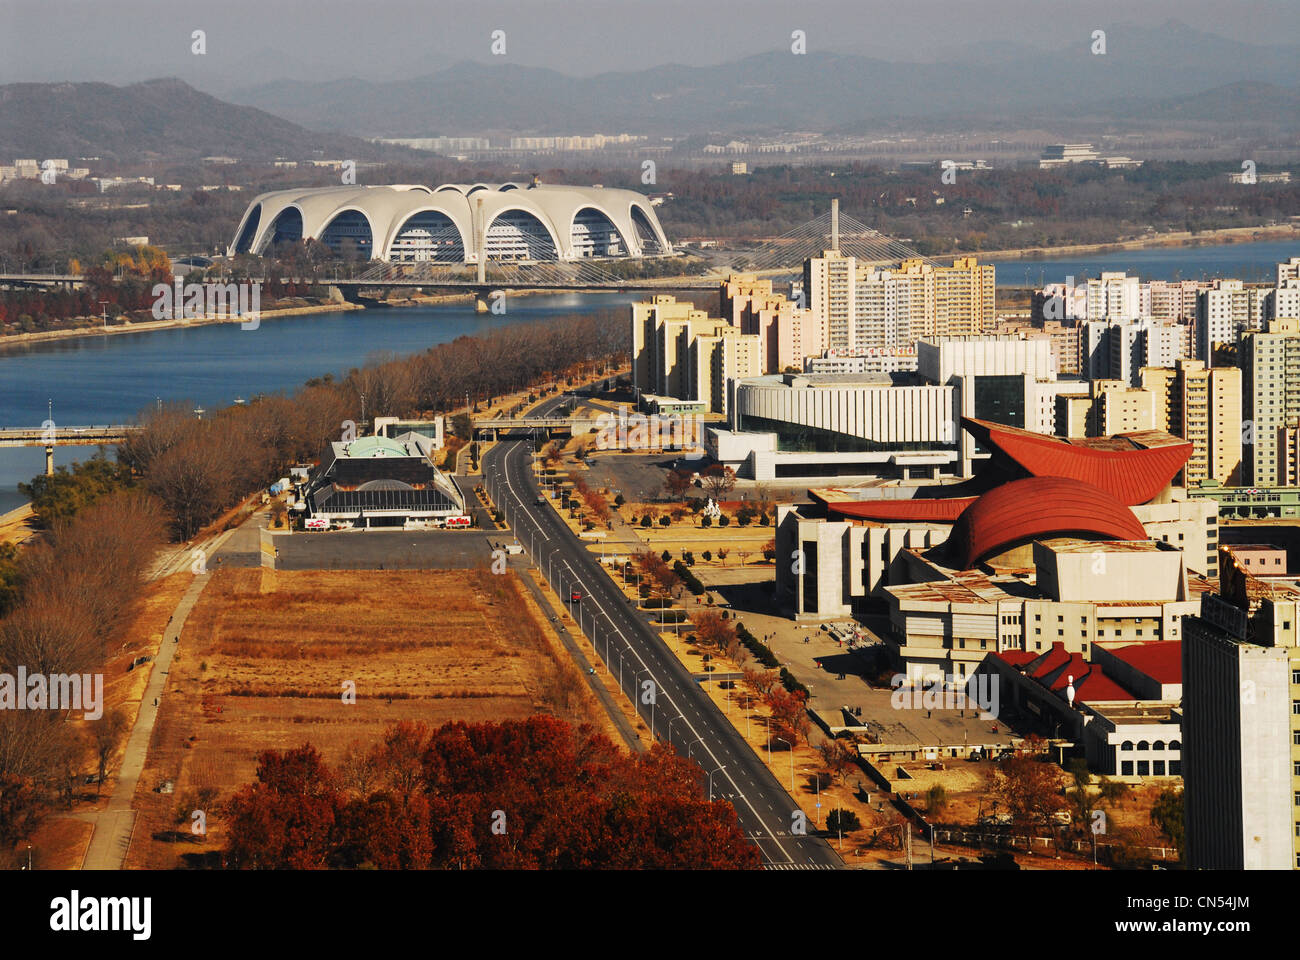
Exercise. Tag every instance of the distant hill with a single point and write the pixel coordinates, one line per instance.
(818, 91)
(165, 119)
(1233, 102)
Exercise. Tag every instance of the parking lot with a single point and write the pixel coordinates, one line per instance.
(388, 549)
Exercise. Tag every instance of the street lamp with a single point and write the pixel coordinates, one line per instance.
(719, 770)
(692, 746)
(791, 746)
(670, 727)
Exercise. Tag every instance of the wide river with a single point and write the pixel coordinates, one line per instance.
(108, 380)
(1252, 262)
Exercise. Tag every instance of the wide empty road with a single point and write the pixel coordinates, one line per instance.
(666, 696)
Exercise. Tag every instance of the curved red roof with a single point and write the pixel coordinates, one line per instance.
(1038, 507)
(1132, 468)
(922, 511)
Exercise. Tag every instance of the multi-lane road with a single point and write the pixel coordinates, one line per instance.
(665, 694)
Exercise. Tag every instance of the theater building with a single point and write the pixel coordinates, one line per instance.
(381, 482)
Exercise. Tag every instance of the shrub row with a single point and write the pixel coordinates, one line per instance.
(763, 654)
(691, 580)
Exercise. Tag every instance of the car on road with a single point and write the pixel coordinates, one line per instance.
(575, 596)
(541, 500)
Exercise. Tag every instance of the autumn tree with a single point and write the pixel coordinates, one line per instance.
(718, 480)
(677, 482)
(1027, 786)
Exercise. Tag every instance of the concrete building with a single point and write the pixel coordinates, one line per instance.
(883, 360)
(1241, 726)
(1081, 593)
(1108, 407)
(996, 379)
(1270, 363)
(810, 426)
(1225, 311)
(787, 334)
(381, 482)
(1121, 705)
(457, 223)
(866, 306)
(681, 353)
(844, 548)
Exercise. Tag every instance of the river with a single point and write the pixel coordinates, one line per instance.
(108, 380)
(1252, 262)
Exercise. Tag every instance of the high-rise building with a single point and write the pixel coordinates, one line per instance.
(681, 353)
(1270, 364)
(1241, 725)
(1225, 311)
(1201, 405)
(1110, 407)
(830, 284)
(869, 307)
(997, 379)
(787, 333)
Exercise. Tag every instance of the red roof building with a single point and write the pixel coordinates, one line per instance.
(1034, 508)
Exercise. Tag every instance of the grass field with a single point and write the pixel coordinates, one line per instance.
(266, 657)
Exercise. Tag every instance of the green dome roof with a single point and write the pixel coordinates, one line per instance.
(376, 447)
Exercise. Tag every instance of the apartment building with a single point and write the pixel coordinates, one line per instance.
(1241, 725)
(865, 306)
(1270, 364)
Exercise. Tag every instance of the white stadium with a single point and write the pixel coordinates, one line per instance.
(457, 223)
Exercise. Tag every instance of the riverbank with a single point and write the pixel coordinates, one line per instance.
(1180, 238)
(148, 326)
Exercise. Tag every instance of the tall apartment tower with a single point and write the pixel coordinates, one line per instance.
(830, 284)
(1225, 311)
(1270, 363)
(1202, 406)
(1241, 726)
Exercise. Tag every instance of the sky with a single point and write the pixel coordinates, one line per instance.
(255, 41)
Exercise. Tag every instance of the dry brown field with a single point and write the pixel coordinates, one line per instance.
(266, 655)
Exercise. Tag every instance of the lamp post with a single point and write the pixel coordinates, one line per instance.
(791, 746)
(719, 770)
(670, 728)
(692, 746)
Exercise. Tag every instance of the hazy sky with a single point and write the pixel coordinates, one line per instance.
(250, 41)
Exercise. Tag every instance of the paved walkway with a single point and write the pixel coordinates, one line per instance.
(115, 824)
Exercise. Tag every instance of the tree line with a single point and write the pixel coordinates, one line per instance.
(523, 794)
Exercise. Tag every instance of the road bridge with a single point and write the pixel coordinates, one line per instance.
(51, 436)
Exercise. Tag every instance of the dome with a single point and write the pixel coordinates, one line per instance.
(1035, 508)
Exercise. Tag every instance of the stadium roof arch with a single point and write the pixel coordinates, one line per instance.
(578, 222)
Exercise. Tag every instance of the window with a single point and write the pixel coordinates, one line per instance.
(1158, 745)
(1126, 745)
(1144, 768)
(1158, 768)
(1295, 676)
(1126, 770)
(1143, 745)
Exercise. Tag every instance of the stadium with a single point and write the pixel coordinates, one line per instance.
(457, 223)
